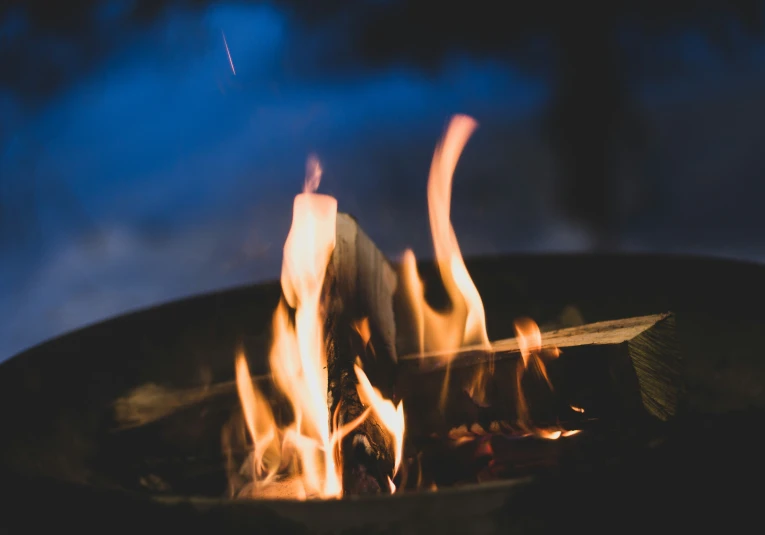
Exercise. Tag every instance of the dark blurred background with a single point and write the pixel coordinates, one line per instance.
(138, 163)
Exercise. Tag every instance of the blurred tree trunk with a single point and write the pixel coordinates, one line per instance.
(589, 112)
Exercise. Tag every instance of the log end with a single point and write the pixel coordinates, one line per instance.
(657, 360)
(367, 461)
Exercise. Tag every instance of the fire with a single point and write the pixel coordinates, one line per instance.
(297, 358)
(533, 356)
(454, 273)
(465, 323)
(310, 446)
(391, 416)
(529, 339)
(260, 424)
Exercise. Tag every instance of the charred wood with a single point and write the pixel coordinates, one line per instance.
(359, 288)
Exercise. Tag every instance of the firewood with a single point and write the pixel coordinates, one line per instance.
(151, 402)
(365, 282)
(609, 369)
(359, 284)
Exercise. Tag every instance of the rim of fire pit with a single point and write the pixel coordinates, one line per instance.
(489, 487)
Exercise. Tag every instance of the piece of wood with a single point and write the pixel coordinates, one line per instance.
(151, 402)
(609, 369)
(365, 282)
(360, 284)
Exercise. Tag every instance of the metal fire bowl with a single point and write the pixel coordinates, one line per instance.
(54, 397)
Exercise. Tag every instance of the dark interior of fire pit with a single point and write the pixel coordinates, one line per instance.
(62, 436)
(183, 454)
(201, 448)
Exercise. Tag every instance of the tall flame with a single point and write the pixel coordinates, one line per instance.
(465, 322)
(454, 273)
(310, 446)
(297, 358)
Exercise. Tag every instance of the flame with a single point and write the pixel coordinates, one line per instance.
(550, 434)
(362, 327)
(309, 446)
(465, 323)
(390, 416)
(529, 339)
(454, 273)
(260, 423)
(302, 372)
(313, 173)
(297, 358)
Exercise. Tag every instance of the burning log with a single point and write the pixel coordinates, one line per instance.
(357, 300)
(606, 370)
(359, 288)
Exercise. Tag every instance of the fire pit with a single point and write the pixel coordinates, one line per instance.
(339, 401)
(58, 408)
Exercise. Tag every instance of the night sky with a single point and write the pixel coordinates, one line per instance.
(152, 171)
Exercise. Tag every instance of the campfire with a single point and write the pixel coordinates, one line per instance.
(377, 384)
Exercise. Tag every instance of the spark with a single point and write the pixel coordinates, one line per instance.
(228, 53)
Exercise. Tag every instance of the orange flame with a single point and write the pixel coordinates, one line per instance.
(313, 172)
(298, 362)
(465, 323)
(454, 273)
(390, 416)
(529, 339)
(310, 445)
(297, 358)
(260, 424)
(362, 327)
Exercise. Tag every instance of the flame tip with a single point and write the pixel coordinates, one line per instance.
(313, 172)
